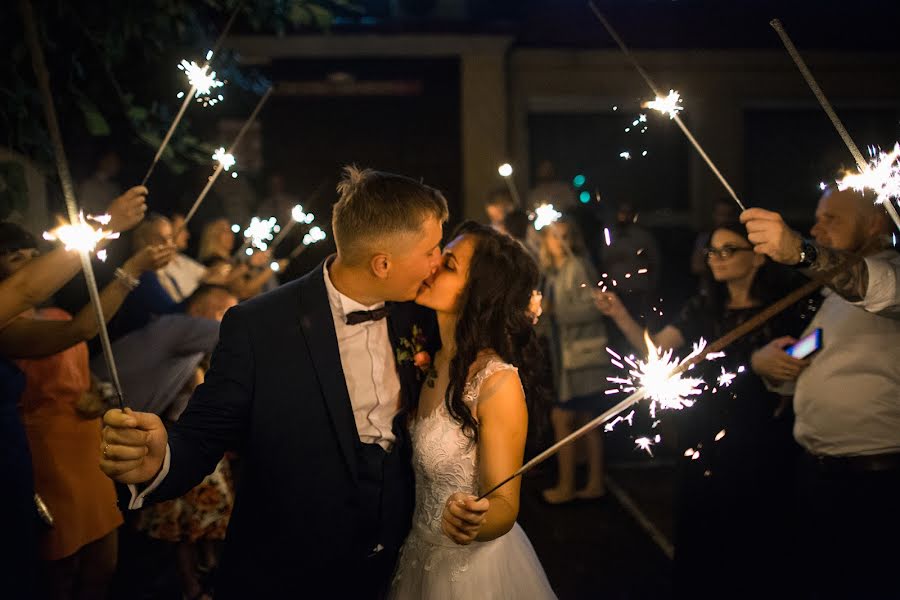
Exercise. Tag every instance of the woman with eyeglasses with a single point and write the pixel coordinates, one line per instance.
(732, 513)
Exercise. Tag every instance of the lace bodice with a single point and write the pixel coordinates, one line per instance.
(431, 566)
(445, 460)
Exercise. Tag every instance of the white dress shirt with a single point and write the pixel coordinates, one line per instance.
(370, 370)
(847, 402)
(367, 359)
(181, 277)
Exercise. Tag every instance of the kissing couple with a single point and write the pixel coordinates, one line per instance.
(371, 401)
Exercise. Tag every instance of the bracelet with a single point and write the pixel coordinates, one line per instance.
(126, 279)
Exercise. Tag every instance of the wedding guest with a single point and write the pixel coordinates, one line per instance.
(498, 207)
(723, 211)
(580, 364)
(732, 516)
(28, 281)
(61, 414)
(183, 275)
(550, 190)
(216, 241)
(150, 299)
(845, 396)
(156, 361)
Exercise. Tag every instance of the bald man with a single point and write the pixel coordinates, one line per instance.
(846, 396)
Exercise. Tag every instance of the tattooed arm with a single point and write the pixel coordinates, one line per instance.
(851, 282)
(871, 283)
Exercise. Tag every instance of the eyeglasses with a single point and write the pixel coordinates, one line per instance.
(726, 251)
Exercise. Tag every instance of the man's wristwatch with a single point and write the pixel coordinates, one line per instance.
(808, 254)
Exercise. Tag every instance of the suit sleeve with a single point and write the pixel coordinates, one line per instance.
(218, 415)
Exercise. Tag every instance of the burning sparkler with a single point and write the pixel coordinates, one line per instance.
(221, 167)
(81, 235)
(545, 215)
(864, 168)
(202, 82)
(670, 102)
(669, 105)
(315, 235)
(701, 351)
(881, 175)
(259, 232)
(226, 159)
(298, 215)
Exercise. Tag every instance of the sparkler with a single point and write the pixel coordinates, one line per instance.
(298, 215)
(77, 235)
(221, 166)
(699, 353)
(545, 215)
(81, 235)
(866, 171)
(226, 159)
(257, 235)
(506, 172)
(202, 82)
(660, 98)
(670, 105)
(882, 176)
(315, 235)
(199, 80)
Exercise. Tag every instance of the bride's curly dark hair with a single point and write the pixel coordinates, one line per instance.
(494, 316)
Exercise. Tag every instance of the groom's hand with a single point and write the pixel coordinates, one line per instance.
(133, 445)
(463, 517)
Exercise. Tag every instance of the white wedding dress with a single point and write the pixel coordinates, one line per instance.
(431, 566)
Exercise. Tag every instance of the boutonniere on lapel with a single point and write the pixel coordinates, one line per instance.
(412, 350)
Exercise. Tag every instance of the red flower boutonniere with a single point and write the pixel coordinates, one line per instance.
(412, 350)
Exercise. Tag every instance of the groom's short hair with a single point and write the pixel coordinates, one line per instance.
(374, 205)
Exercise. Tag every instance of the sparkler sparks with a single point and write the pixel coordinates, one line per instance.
(314, 235)
(881, 175)
(82, 236)
(298, 214)
(545, 215)
(259, 232)
(670, 105)
(226, 159)
(665, 388)
(202, 81)
(644, 443)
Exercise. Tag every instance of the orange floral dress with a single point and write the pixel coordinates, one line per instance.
(201, 514)
(65, 449)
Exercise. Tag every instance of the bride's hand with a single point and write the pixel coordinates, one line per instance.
(463, 517)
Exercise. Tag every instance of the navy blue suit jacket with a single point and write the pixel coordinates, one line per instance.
(276, 393)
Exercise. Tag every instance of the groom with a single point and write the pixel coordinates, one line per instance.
(304, 384)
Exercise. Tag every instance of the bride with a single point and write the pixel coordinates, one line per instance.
(468, 430)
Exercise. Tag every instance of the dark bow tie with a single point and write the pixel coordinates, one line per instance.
(362, 316)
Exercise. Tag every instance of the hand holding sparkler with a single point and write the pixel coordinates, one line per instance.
(133, 445)
(609, 304)
(463, 517)
(128, 210)
(771, 236)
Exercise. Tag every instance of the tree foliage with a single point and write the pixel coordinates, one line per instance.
(112, 65)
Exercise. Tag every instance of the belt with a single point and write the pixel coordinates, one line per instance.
(855, 464)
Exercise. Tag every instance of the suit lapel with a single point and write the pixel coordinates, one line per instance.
(319, 335)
